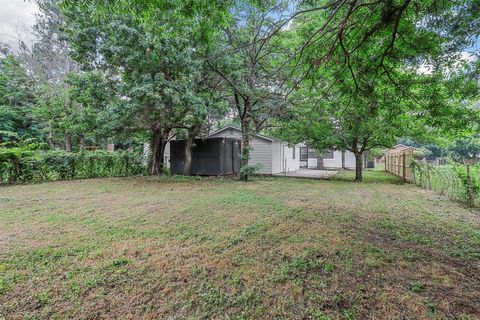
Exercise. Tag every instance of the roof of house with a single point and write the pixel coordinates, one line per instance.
(402, 146)
(271, 139)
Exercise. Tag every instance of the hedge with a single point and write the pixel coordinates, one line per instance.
(43, 166)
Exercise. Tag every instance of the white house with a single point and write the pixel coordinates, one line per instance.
(276, 156)
(335, 159)
(273, 155)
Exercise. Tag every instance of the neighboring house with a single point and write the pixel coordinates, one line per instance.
(397, 149)
(401, 147)
(335, 159)
(273, 155)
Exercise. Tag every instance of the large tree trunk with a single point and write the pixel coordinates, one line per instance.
(159, 142)
(358, 166)
(245, 148)
(67, 139)
(192, 134)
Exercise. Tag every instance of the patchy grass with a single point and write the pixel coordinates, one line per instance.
(369, 176)
(274, 248)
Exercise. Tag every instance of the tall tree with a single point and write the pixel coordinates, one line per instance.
(205, 104)
(17, 98)
(362, 62)
(155, 69)
(49, 65)
(247, 59)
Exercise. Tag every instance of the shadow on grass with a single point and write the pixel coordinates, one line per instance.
(369, 176)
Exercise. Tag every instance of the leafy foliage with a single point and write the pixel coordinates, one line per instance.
(43, 166)
(17, 99)
(454, 180)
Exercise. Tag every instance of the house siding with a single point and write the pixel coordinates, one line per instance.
(261, 153)
(336, 162)
(350, 160)
(291, 164)
(276, 157)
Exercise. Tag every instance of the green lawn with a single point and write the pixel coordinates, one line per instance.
(274, 248)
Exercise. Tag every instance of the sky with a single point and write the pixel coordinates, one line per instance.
(16, 18)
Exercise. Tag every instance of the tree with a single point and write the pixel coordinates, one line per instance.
(49, 66)
(467, 148)
(205, 105)
(152, 52)
(247, 60)
(17, 97)
(342, 121)
(361, 62)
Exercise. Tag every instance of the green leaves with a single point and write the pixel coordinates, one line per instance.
(17, 98)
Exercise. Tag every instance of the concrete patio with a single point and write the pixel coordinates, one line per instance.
(309, 173)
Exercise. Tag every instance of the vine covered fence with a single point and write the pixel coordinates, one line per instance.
(455, 181)
(459, 182)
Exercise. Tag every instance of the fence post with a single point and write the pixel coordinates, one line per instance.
(428, 177)
(404, 167)
(412, 166)
(469, 188)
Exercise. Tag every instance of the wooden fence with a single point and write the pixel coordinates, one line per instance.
(398, 163)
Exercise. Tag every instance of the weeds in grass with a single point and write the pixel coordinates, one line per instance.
(274, 248)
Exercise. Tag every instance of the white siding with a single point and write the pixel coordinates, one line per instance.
(291, 163)
(146, 154)
(227, 133)
(335, 163)
(261, 153)
(349, 160)
(276, 157)
(166, 155)
(312, 163)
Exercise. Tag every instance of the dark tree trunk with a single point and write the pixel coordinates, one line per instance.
(245, 148)
(358, 166)
(159, 142)
(188, 154)
(67, 138)
(192, 134)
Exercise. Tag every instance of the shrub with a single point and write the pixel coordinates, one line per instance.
(249, 170)
(42, 166)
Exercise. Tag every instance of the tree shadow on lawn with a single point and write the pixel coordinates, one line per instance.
(369, 176)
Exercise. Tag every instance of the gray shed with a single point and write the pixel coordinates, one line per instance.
(210, 157)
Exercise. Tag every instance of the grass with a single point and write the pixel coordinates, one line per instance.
(274, 248)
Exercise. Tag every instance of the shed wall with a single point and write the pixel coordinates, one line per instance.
(261, 152)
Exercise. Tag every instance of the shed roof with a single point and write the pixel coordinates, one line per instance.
(271, 139)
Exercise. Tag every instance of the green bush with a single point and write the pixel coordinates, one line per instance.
(42, 166)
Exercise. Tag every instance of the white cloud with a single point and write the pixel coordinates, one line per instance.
(16, 20)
